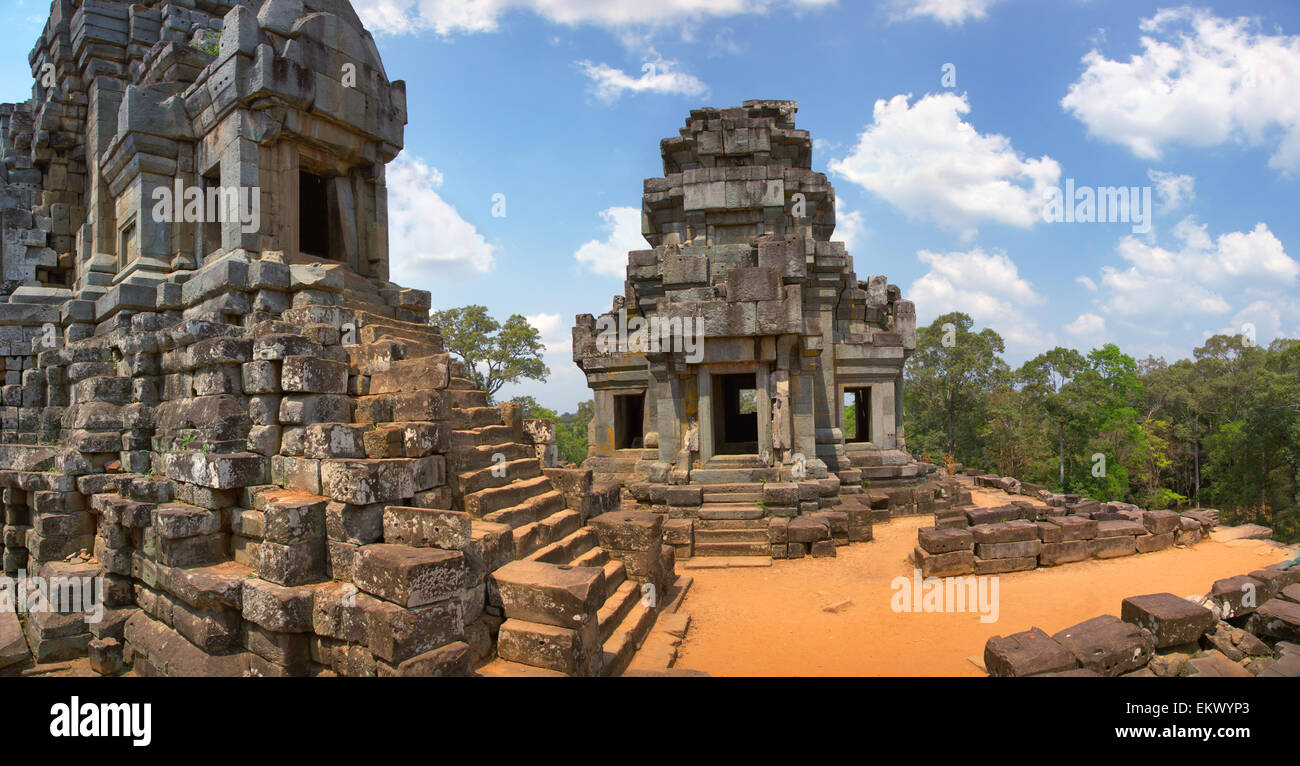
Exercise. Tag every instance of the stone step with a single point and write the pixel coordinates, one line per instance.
(469, 482)
(730, 511)
(731, 549)
(742, 487)
(477, 437)
(461, 384)
(534, 508)
(461, 398)
(622, 643)
(733, 475)
(596, 557)
(499, 668)
(733, 497)
(474, 458)
(703, 536)
(564, 551)
(731, 524)
(539, 534)
(480, 504)
(474, 417)
(616, 607)
(736, 461)
(615, 575)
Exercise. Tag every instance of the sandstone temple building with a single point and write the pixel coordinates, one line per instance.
(218, 408)
(779, 334)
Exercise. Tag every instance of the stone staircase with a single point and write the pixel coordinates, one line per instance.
(497, 479)
(624, 618)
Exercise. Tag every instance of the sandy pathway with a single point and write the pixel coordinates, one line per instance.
(773, 621)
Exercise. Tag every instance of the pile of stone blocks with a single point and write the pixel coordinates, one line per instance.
(1246, 626)
(1025, 535)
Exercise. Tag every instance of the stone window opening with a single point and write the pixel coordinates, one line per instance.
(736, 421)
(629, 417)
(210, 227)
(857, 414)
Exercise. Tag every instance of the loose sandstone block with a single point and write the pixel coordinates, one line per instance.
(1172, 621)
(1005, 532)
(1022, 549)
(1278, 618)
(1153, 543)
(1112, 547)
(1237, 596)
(1161, 522)
(1054, 554)
(1004, 565)
(807, 530)
(944, 540)
(944, 564)
(1074, 527)
(1108, 645)
(1025, 654)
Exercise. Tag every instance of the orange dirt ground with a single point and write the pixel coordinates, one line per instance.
(761, 621)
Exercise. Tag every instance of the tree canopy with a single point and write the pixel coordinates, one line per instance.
(494, 354)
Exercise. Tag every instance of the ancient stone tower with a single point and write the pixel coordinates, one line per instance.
(216, 404)
(743, 417)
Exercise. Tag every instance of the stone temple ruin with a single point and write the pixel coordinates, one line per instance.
(215, 400)
(754, 331)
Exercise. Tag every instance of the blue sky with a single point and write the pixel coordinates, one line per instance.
(560, 105)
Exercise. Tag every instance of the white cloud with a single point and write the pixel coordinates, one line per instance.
(1201, 276)
(1199, 81)
(1087, 283)
(1172, 189)
(850, 228)
(426, 234)
(928, 162)
(452, 17)
(950, 12)
(1087, 326)
(608, 257)
(556, 337)
(988, 287)
(657, 76)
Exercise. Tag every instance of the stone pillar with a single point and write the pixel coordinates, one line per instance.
(763, 395)
(705, 393)
(239, 171)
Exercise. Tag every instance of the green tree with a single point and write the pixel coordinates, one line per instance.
(494, 354)
(947, 384)
(1043, 379)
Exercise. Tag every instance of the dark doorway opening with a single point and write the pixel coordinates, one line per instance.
(314, 224)
(629, 413)
(857, 414)
(736, 419)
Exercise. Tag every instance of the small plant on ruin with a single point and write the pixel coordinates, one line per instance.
(185, 441)
(210, 44)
